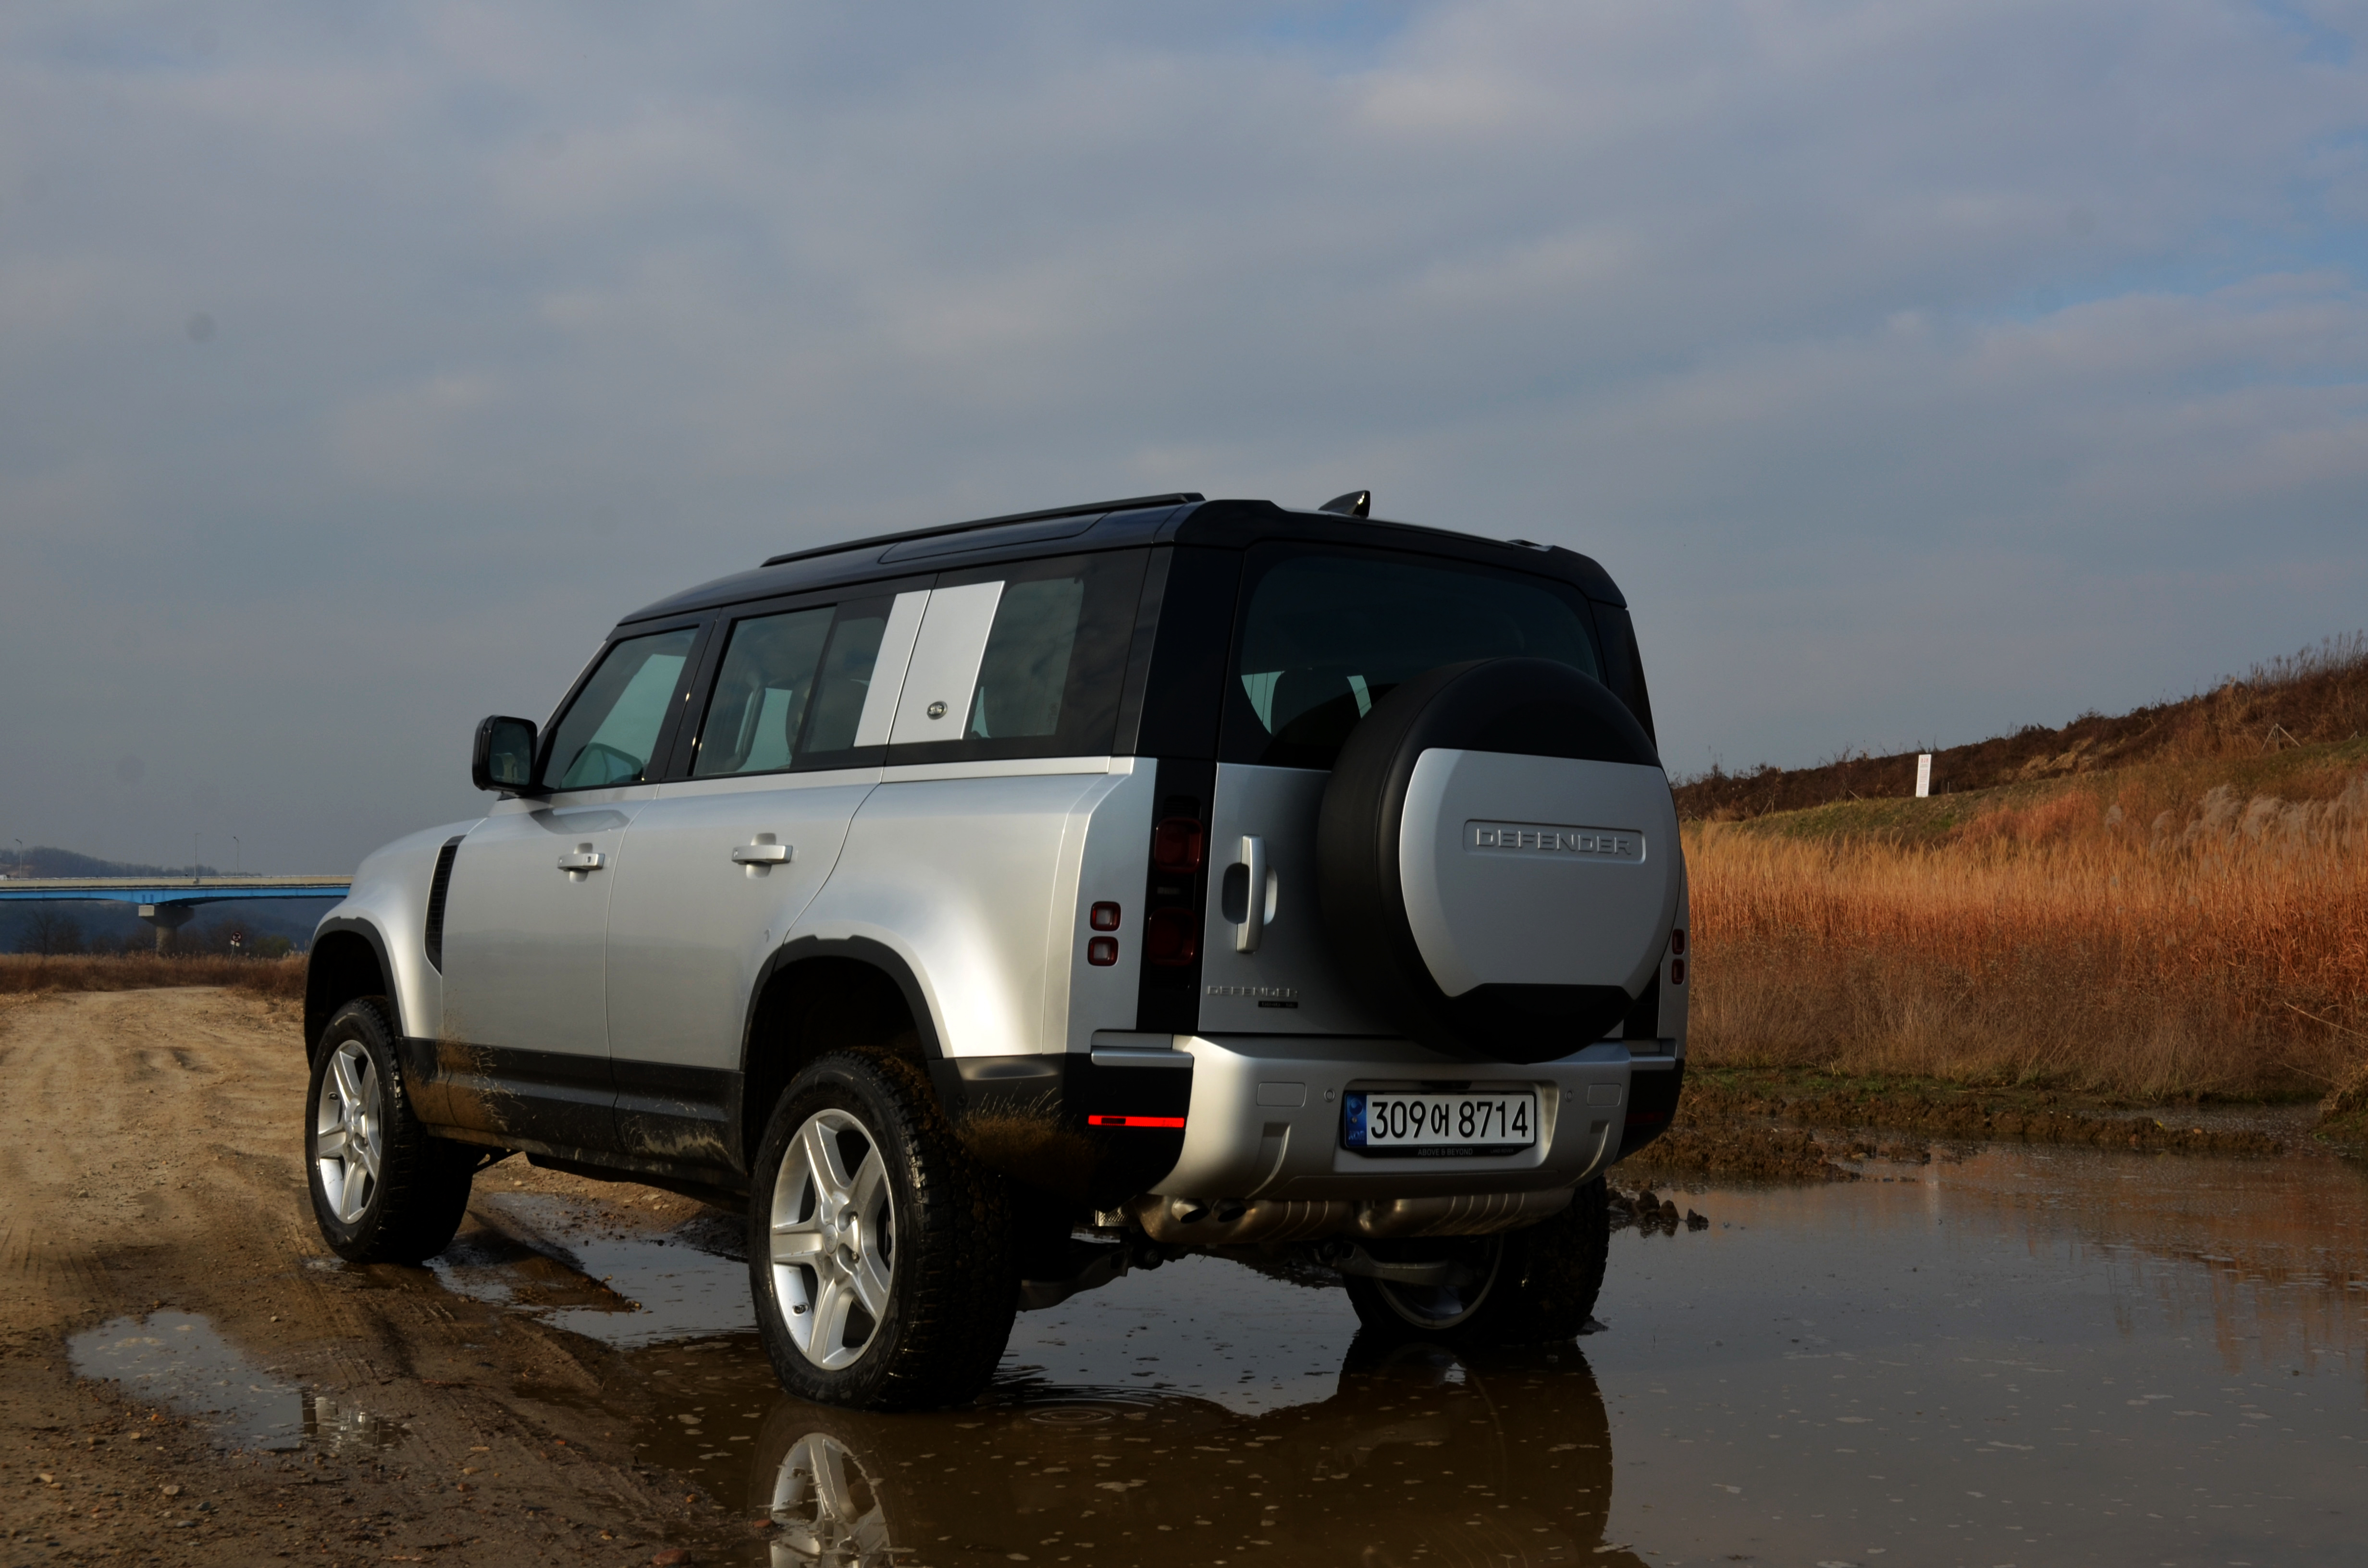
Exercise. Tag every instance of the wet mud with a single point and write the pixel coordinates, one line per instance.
(2006, 1353)
(1769, 1126)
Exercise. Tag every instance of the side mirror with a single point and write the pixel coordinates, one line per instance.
(504, 756)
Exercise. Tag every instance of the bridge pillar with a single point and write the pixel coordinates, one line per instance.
(167, 918)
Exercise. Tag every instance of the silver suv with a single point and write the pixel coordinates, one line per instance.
(991, 909)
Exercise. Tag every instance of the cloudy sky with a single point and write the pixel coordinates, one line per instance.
(1920, 370)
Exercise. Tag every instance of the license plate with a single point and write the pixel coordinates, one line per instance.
(1437, 1125)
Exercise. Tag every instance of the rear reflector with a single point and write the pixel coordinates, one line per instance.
(1134, 1121)
(1678, 941)
(1102, 951)
(1169, 938)
(1676, 971)
(1103, 917)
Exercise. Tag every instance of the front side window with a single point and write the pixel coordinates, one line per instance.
(1326, 636)
(612, 726)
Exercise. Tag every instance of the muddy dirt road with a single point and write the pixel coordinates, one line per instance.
(1988, 1354)
(149, 1169)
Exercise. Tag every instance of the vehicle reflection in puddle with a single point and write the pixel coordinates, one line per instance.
(2019, 1354)
(1418, 1456)
(178, 1359)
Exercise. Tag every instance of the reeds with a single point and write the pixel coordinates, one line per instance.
(2120, 933)
(136, 971)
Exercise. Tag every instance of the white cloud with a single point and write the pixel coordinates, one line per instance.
(1920, 370)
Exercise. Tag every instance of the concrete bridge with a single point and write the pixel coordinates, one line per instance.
(167, 903)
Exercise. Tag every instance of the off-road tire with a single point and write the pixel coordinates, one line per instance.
(954, 1285)
(421, 1189)
(1542, 1287)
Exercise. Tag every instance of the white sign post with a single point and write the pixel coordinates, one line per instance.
(1923, 774)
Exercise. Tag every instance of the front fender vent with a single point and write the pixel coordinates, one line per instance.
(436, 888)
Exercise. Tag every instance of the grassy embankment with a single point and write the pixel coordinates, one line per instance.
(2188, 926)
(21, 972)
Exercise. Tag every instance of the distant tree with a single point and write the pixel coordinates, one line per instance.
(50, 934)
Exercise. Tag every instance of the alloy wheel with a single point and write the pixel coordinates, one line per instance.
(827, 1508)
(1437, 1308)
(347, 1128)
(833, 1239)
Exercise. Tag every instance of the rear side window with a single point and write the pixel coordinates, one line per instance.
(1328, 634)
(761, 694)
(1039, 674)
(1023, 678)
(611, 729)
(790, 690)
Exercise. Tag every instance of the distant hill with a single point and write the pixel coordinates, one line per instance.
(41, 860)
(2320, 694)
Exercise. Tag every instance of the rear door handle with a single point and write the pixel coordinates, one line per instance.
(764, 853)
(1254, 910)
(586, 859)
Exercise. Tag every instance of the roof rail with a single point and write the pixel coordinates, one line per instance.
(1177, 499)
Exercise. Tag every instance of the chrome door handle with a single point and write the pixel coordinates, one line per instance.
(764, 853)
(1254, 901)
(585, 859)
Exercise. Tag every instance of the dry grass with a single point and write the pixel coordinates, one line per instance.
(2127, 933)
(138, 971)
(2315, 697)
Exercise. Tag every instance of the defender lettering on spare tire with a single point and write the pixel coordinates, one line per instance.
(1497, 859)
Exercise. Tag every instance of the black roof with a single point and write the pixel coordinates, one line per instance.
(1180, 519)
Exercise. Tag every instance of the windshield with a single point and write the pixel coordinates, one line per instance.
(1327, 636)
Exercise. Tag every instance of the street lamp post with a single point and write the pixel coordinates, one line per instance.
(236, 851)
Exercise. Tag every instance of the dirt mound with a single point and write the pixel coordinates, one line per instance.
(2320, 694)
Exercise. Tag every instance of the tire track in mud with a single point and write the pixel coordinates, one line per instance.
(150, 1157)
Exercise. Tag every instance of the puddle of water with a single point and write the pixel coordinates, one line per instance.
(178, 1359)
(2021, 1356)
(342, 1426)
(2031, 1355)
(553, 1256)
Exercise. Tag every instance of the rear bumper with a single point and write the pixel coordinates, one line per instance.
(1265, 1119)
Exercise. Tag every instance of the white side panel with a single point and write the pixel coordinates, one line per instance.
(961, 878)
(1674, 1010)
(1538, 870)
(888, 669)
(1103, 858)
(1289, 984)
(945, 664)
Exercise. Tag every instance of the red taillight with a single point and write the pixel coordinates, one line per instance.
(1103, 917)
(1176, 844)
(1677, 942)
(1169, 938)
(1134, 1121)
(1102, 951)
(1676, 971)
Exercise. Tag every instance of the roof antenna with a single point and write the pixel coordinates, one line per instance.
(1356, 504)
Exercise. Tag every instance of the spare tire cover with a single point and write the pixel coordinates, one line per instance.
(1497, 859)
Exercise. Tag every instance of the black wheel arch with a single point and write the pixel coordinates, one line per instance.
(348, 959)
(816, 996)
